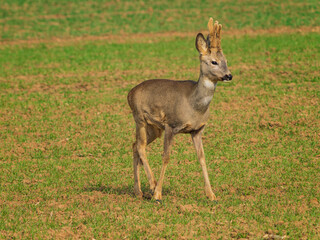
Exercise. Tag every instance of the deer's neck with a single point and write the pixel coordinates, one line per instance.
(203, 94)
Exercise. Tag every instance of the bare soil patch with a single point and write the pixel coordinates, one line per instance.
(159, 36)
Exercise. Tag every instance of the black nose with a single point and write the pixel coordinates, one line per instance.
(227, 77)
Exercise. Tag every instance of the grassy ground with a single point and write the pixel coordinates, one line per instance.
(66, 129)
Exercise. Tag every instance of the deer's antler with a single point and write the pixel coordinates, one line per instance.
(214, 37)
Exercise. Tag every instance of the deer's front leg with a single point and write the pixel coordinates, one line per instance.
(197, 141)
(168, 139)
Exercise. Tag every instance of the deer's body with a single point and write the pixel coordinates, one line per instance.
(149, 102)
(177, 107)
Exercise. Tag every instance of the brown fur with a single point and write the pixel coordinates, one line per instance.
(177, 107)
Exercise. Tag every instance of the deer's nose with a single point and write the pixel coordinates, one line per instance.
(227, 77)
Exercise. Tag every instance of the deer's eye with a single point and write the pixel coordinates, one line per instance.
(214, 63)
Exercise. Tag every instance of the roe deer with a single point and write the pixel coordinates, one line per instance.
(177, 107)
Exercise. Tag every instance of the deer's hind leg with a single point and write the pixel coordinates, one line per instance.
(168, 140)
(136, 168)
(145, 134)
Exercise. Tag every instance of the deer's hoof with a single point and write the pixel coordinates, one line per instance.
(211, 196)
(157, 196)
(138, 194)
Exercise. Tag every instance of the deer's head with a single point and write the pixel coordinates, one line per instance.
(213, 63)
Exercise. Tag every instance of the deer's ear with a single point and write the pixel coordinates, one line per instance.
(201, 44)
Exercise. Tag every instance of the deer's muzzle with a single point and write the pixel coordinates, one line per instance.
(227, 77)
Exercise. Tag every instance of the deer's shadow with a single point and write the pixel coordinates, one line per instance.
(121, 190)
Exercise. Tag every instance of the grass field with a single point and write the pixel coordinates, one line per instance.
(66, 130)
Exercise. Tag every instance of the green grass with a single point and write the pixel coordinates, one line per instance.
(66, 129)
(23, 19)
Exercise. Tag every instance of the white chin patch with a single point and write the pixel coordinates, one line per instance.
(210, 85)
